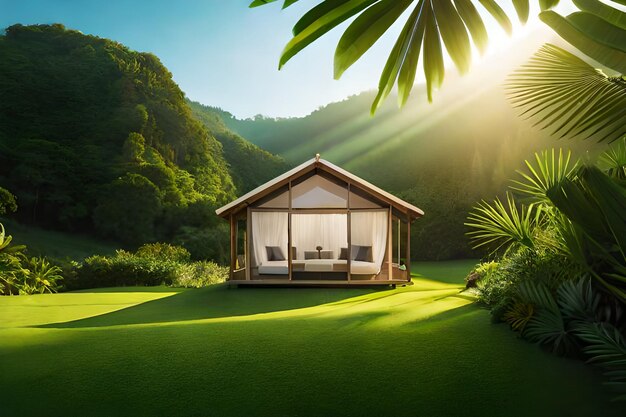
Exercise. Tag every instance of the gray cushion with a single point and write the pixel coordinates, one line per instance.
(361, 253)
(311, 254)
(343, 254)
(364, 254)
(274, 253)
(327, 254)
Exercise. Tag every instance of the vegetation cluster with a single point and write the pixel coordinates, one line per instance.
(558, 268)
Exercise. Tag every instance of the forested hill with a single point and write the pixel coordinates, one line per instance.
(443, 157)
(251, 165)
(97, 138)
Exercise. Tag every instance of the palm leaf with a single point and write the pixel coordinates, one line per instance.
(604, 54)
(504, 226)
(613, 160)
(321, 21)
(599, 30)
(366, 29)
(603, 11)
(546, 327)
(562, 91)
(607, 348)
(549, 172)
(594, 204)
(436, 24)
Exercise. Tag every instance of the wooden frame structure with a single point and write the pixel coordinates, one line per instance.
(239, 213)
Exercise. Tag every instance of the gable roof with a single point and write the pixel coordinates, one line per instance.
(310, 165)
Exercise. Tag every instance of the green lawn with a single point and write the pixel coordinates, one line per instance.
(423, 350)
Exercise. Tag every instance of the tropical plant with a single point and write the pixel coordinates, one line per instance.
(11, 269)
(518, 315)
(596, 234)
(549, 172)
(613, 160)
(607, 348)
(597, 30)
(8, 203)
(507, 227)
(546, 326)
(566, 94)
(40, 276)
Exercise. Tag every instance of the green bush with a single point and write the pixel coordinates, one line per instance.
(125, 269)
(152, 264)
(163, 251)
(200, 274)
(496, 282)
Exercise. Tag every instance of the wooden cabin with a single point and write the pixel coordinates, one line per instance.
(318, 224)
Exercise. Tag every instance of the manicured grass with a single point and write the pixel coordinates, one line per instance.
(423, 350)
(56, 244)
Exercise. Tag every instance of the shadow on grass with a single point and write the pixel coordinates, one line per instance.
(216, 302)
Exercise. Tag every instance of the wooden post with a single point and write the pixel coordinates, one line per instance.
(289, 243)
(233, 246)
(249, 243)
(389, 243)
(349, 226)
(408, 249)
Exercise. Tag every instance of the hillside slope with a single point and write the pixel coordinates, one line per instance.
(250, 165)
(97, 138)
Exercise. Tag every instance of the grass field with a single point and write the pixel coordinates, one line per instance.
(424, 350)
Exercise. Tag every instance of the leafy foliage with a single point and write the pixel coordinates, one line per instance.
(8, 203)
(549, 172)
(20, 275)
(250, 166)
(566, 94)
(505, 226)
(432, 25)
(594, 204)
(613, 160)
(40, 276)
(606, 347)
(151, 264)
(597, 31)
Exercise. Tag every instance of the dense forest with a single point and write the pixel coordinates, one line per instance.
(443, 157)
(97, 138)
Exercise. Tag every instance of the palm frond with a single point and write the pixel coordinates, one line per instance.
(613, 160)
(503, 226)
(549, 171)
(547, 326)
(594, 204)
(577, 300)
(606, 347)
(450, 25)
(564, 93)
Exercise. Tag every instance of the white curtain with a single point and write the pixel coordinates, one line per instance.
(268, 229)
(308, 231)
(369, 228)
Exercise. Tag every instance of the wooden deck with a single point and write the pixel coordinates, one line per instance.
(317, 283)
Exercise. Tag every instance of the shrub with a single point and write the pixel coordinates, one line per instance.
(125, 269)
(40, 276)
(152, 264)
(200, 274)
(163, 251)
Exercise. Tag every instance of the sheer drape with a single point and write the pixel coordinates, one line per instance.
(311, 230)
(308, 231)
(268, 229)
(369, 228)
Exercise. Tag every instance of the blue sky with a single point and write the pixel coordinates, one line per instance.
(222, 53)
